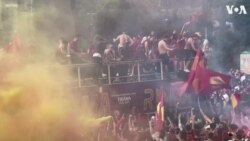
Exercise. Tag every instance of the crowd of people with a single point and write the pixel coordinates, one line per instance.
(219, 122)
(175, 48)
(188, 125)
(215, 119)
(175, 51)
(240, 84)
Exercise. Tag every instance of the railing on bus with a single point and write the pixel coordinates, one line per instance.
(136, 69)
(90, 74)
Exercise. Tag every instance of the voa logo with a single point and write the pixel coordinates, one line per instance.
(241, 10)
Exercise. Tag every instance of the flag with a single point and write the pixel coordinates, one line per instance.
(235, 99)
(207, 81)
(198, 63)
(160, 113)
(202, 80)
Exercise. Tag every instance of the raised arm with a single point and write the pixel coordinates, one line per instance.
(151, 128)
(192, 118)
(116, 39)
(179, 122)
(176, 109)
(170, 121)
(203, 114)
(130, 124)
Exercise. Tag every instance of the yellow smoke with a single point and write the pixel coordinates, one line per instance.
(36, 104)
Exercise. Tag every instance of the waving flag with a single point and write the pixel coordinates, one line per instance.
(198, 63)
(235, 99)
(160, 113)
(202, 80)
(207, 81)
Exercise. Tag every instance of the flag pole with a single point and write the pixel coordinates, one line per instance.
(202, 112)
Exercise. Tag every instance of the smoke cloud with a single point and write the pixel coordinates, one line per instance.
(35, 102)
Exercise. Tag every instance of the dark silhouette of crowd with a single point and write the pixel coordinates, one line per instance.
(214, 121)
(188, 125)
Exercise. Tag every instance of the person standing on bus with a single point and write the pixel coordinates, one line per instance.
(164, 51)
(124, 42)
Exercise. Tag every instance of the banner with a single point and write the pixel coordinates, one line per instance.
(143, 96)
(123, 97)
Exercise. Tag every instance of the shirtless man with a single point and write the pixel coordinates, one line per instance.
(149, 42)
(109, 53)
(164, 51)
(192, 45)
(124, 42)
(75, 50)
(62, 52)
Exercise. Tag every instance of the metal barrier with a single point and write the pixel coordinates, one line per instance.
(91, 74)
(136, 70)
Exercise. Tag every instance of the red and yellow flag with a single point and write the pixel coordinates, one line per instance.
(198, 63)
(202, 80)
(160, 113)
(206, 81)
(235, 99)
